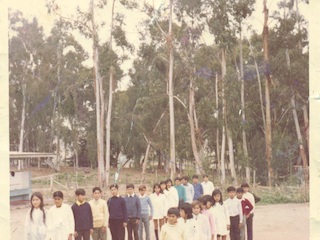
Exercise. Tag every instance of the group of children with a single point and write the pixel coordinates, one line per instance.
(181, 212)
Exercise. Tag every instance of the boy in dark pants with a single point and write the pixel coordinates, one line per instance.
(235, 213)
(117, 214)
(134, 211)
(82, 216)
(246, 209)
(249, 218)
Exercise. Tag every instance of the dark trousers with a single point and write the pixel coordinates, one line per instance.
(234, 228)
(116, 229)
(83, 235)
(133, 227)
(250, 227)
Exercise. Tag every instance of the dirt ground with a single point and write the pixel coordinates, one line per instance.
(276, 222)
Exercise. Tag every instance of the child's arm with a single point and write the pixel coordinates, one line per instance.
(105, 217)
(91, 219)
(151, 208)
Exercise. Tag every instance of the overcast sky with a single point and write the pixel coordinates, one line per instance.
(37, 8)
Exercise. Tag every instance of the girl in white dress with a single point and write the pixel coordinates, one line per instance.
(172, 194)
(159, 203)
(221, 215)
(35, 223)
(60, 219)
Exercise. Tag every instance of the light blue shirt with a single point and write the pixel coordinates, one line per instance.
(189, 192)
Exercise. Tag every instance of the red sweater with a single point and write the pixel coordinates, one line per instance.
(246, 206)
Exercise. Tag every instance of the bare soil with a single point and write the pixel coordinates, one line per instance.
(276, 222)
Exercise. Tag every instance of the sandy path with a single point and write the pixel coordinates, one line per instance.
(276, 222)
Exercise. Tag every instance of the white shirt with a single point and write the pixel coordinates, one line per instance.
(234, 207)
(172, 232)
(35, 228)
(172, 197)
(207, 187)
(189, 192)
(250, 197)
(160, 206)
(60, 222)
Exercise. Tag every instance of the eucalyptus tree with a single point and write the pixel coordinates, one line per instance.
(219, 22)
(86, 23)
(25, 58)
(291, 37)
(242, 10)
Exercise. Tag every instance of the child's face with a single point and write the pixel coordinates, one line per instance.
(202, 206)
(58, 201)
(163, 186)
(245, 189)
(142, 191)
(231, 194)
(209, 205)
(184, 182)
(196, 209)
(183, 214)
(172, 218)
(177, 182)
(130, 191)
(205, 179)
(169, 184)
(80, 198)
(36, 202)
(239, 195)
(114, 191)
(96, 194)
(195, 180)
(216, 197)
(156, 189)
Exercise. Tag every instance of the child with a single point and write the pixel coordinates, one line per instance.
(172, 230)
(181, 190)
(145, 217)
(159, 203)
(198, 190)
(207, 185)
(172, 194)
(35, 223)
(186, 220)
(100, 215)
(60, 219)
(134, 212)
(246, 209)
(249, 220)
(235, 213)
(205, 204)
(82, 216)
(118, 217)
(202, 226)
(221, 214)
(189, 189)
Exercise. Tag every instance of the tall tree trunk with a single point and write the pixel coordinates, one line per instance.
(146, 156)
(99, 100)
(23, 118)
(223, 143)
(295, 117)
(243, 115)
(301, 147)
(259, 84)
(193, 128)
(267, 94)
(231, 156)
(217, 130)
(171, 103)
